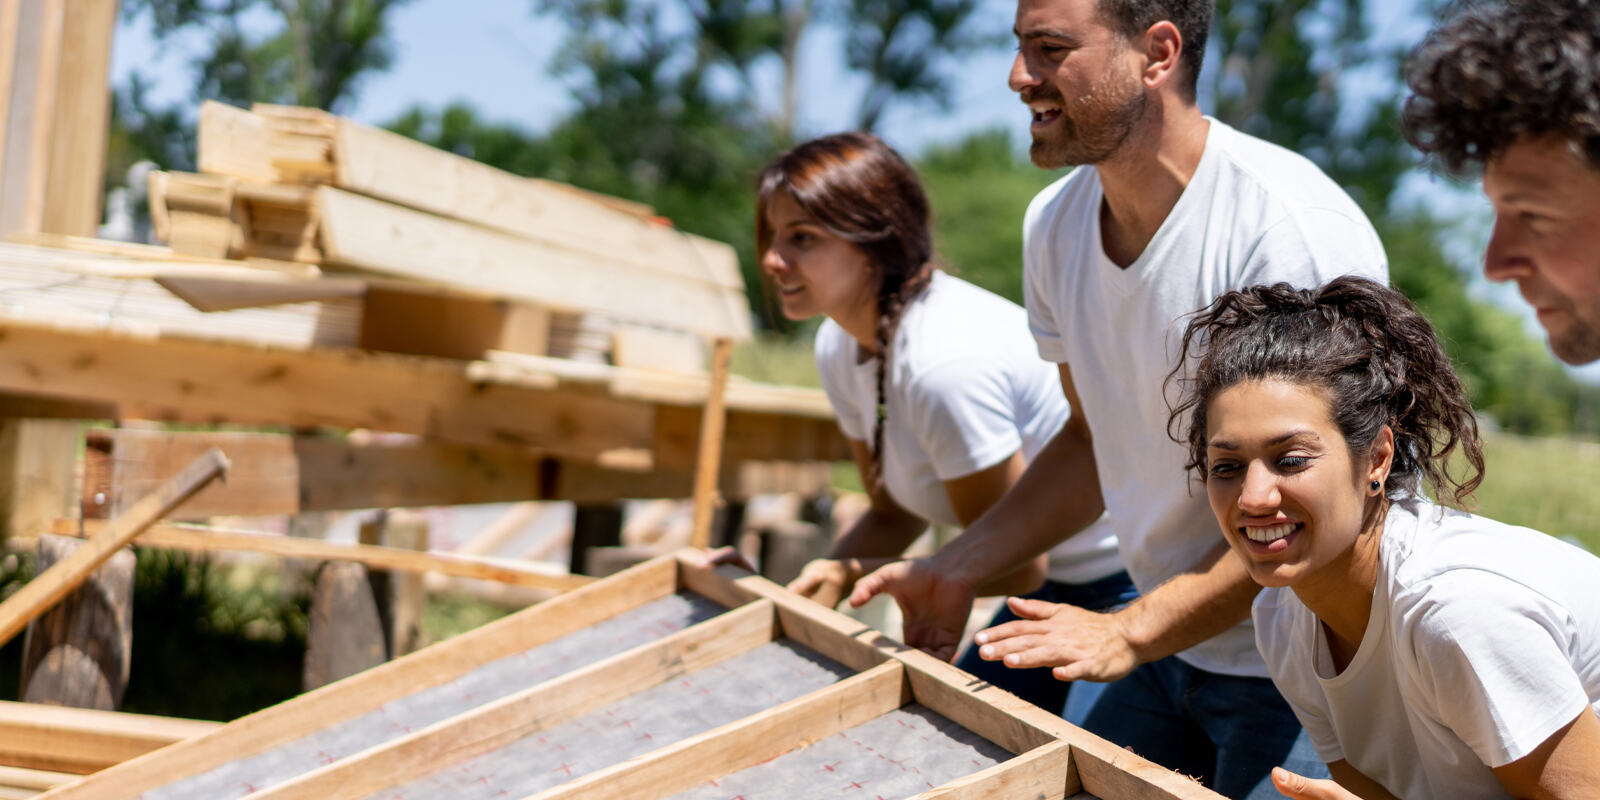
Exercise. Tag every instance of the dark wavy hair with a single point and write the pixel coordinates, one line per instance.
(1493, 75)
(1364, 345)
(1192, 18)
(860, 190)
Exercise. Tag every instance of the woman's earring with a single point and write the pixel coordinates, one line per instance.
(1376, 486)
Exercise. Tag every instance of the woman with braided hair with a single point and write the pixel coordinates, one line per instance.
(1428, 652)
(934, 381)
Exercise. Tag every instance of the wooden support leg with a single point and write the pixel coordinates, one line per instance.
(37, 480)
(78, 653)
(399, 595)
(594, 525)
(344, 634)
(727, 523)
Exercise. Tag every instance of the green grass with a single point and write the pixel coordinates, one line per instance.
(1552, 485)
(774, 358)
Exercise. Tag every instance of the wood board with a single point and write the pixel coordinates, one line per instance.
(617, 659)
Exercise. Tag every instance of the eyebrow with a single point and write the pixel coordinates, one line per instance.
(1045, 33)
(1301, 433)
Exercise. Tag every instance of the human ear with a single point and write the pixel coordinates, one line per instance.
(1163, 45)
(1381, 457)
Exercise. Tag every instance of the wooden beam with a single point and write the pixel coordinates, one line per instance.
(194, 381)
(38, 595)
(1042, 773)
(423, 669)
(709, 461)
(79, 740)
(37, 483)
(287, 474)
(82, 115)
(211, 540)
(360, 232)
(537, 708)
(749, 741)
(35, 780)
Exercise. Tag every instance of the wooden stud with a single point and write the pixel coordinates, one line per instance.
(39, 594)
(709, 461)
(37, 482)
(1039, 774)
(537, 708)
(344, 631)
(423, 669)
(212, 540)
(77, 740)
(35, 780)
(747, 742)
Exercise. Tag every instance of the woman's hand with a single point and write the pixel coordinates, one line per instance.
(1079, 644)
(826, 580)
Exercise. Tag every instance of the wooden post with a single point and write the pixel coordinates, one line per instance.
(39, 594)
(55, 105)
(344, 633)
(593, 525)
(78, 653)
(710, 459)
(37, 481)
(399, 595)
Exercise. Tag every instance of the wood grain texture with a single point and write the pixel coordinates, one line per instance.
(79, 652)
(76, 740)
(708, 462)
(1039, 774)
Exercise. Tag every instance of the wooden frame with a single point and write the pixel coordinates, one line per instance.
(1050, 759)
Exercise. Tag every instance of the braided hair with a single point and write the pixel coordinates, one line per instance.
(1363, 344)
(859, 189)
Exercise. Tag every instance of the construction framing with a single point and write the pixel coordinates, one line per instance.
(1048, 758)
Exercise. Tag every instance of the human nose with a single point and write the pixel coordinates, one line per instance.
(1259, 494)
(1503, 260)
(1022, 76)
(771, 261)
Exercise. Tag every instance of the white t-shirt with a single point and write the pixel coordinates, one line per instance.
(1484, 640)
(964, 392)
(1252, 213)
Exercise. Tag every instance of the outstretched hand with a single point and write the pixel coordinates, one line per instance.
(935, 606)
(1299, 787)
(825, 580)
(1079, 644)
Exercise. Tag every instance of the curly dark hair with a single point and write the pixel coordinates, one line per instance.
(1363, 344)
(1191, 17)
(1493, 75)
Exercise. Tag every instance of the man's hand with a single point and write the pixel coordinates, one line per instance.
(1079, 644)
(825, 580)
(935, 606)
(1299, 787)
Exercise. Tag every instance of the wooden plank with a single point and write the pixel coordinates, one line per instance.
(1043, 773)
(709, 460)
(82, 112)
(39, 594)
(654, 348)
(211, 540)
(78, 653)
(430, 324)
(37, 780)
(749, 741)
(364, 233)
(10, 20)
(425, 668)
(77, 740)
(37, 482)
(1110, 772)
(344, 631)
(384, 164)
(195, 381)
(233, 141)
(537, 708)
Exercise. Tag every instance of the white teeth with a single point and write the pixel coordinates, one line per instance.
(1271, 533)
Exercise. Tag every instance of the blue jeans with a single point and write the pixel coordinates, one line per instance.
(1226, 730)
(1037, 685)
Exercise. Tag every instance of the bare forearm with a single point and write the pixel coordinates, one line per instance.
(878, 535)
(1190, 608)
(1056, 497)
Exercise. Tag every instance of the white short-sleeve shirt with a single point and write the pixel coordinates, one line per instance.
(1252, 213)
(964, 391)
(1484, 639)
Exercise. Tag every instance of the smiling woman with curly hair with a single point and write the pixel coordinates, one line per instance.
(1515, 89)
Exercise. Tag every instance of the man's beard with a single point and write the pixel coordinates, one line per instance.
(1579, 344)
(1104, 120)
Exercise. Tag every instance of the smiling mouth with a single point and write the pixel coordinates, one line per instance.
(1270, 538)
(790, 290)
(1044, 116)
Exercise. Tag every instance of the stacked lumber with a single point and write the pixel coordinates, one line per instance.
(302, 185)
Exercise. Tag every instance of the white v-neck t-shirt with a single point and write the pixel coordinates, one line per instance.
(964, 391)
(1252, 213)
(1484, 639)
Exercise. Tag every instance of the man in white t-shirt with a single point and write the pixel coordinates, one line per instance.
(1174, 210)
